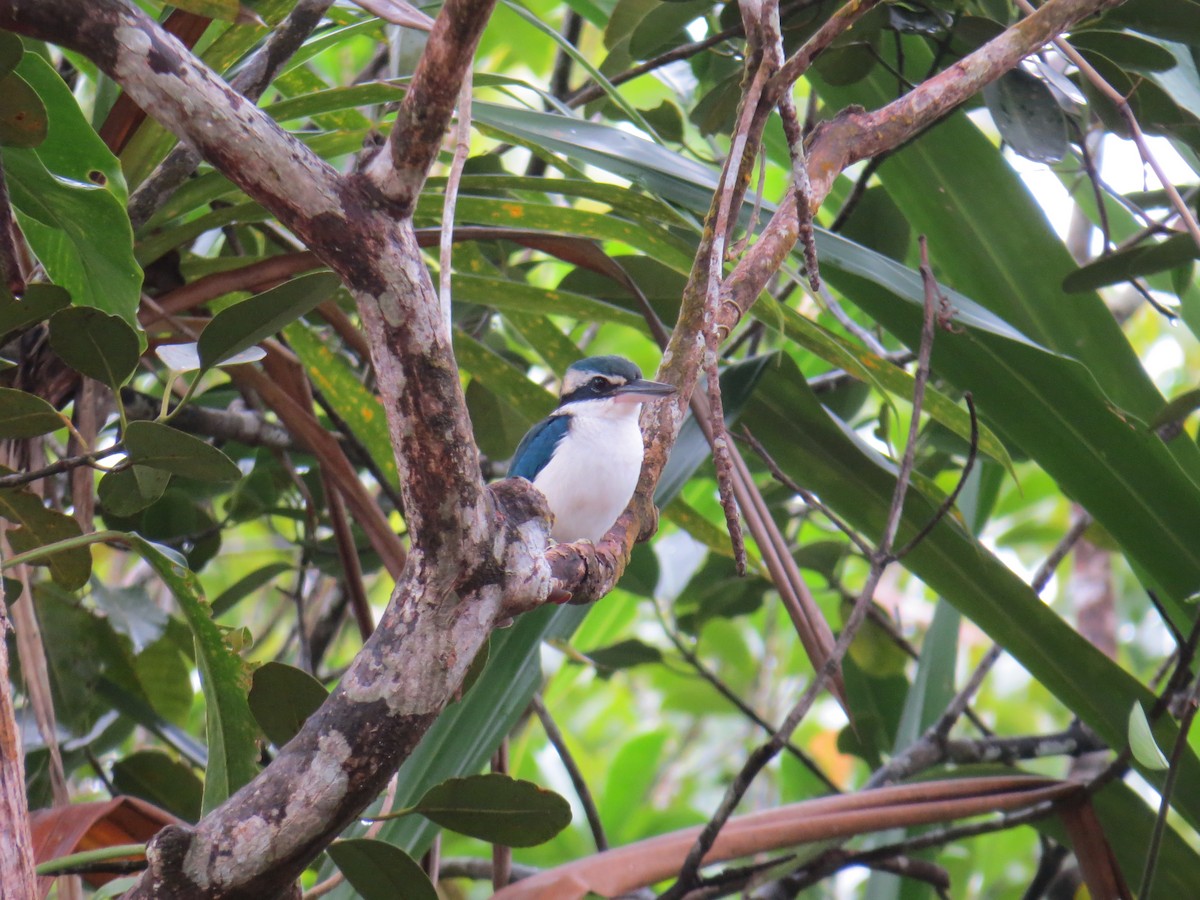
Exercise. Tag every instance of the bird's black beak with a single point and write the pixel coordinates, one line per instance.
(643, 389)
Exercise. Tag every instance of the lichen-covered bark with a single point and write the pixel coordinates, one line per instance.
(478, 553)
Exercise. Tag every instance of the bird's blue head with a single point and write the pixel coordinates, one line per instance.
(607, 381)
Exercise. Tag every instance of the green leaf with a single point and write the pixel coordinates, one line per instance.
(243, 325)
(39, 302)
(161, 780)
(70, 197)
(96, 344)
(344, 391)
(1028, 116)
(246, 585)
(282, 698)
(505, 295)
(41, 527)
(623, 655)
(11, 49)
(497, 809)
(126, 492)
(24, 415)
(23, 120)
(1133, 262)
(1141, 740)
(163, 447)
(231, 730)
(380, 871)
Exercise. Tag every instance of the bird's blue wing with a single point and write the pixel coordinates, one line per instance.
(537, 447)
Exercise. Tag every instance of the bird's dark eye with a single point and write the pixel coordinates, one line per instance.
(600, 383)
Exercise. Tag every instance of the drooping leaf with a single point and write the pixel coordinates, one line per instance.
(41, 527)
(497, 809)
(282, 698)
(160, 446)
(381, 871)
(126, 492)
(39, 302)
(96, 344)
(24, 415)
(1028, 116)
(1141, 740)
(244, 324)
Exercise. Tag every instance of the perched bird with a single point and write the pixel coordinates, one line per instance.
(587, 455)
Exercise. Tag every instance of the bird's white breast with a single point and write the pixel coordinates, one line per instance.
(592, 475)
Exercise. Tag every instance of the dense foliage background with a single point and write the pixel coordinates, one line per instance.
(597, 130)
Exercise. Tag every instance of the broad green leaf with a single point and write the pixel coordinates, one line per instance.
(231, 730)
(502, 378)
(40, 527)
(884, 376)
(241, 326)
(160, 446)
(23, 120)
(96, 344)
(344, 391)
(1175, 20)
(381, 871)
(505, 212)
(70, 197)
(39, 302)
(282, 698)
(646, 164)
(1028, 116)
(126, 492)
(497, 809)
(1141, 740)
(162, 240)
(25, 415)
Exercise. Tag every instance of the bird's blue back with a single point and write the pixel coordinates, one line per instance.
(538, 446)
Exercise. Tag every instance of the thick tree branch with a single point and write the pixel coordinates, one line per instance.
(427, 106)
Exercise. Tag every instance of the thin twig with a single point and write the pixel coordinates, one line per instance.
(66, 464)
(462, 147)
(555, 736)
(1191, 702)
(947, 504)
(744, 708)
(809, 498)
(10, 259)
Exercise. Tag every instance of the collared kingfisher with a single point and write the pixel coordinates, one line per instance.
(587, 455)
